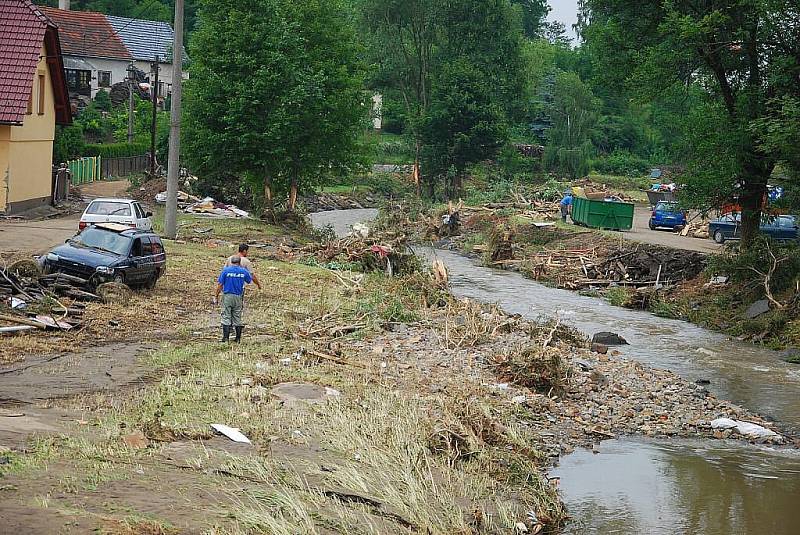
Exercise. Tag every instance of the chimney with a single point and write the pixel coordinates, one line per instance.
(63, 4)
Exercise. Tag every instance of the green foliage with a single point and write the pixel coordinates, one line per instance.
(722, 56)
(282, 101)
(748, 266)
(102, 101)
(464, 124)
(532, 14)
(621, 162)
(574, 113)
(116, 150)
(618, 296)
(68, 143)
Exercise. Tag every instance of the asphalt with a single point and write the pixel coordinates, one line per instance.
(641, 233)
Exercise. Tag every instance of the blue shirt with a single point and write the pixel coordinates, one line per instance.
(566, 201)
(233, 279)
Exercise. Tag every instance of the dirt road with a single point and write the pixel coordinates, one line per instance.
(36, 237)
(642, 233)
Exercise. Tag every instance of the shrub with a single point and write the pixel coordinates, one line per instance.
(621, 163)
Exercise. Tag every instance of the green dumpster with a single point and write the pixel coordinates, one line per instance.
(601, 214)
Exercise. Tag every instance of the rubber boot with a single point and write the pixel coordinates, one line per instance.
(226, 333)
(239, 330)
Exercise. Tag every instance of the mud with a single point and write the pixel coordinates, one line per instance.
(103, 368)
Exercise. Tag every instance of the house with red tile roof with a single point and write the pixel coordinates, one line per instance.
(98, 49)
(33, 99)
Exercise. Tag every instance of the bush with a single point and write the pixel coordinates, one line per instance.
(621, 163)
(68, 143)
(116, 150)
(744, 266)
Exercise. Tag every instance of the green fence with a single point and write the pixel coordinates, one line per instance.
(85, 170)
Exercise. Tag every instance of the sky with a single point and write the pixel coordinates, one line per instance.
(565, 11)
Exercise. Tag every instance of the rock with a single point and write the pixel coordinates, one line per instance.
(609, 339)
(136, 440)
(703, 382)
(756, 309)
(792, 355)
(303, 393)
(584, 365)
(600, 348)
(598, 378)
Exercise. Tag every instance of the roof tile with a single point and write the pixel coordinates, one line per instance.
(87, 34)
(22, 29)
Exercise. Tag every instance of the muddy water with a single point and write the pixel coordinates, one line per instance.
(678, 486)
(634, 487)
(342, 220)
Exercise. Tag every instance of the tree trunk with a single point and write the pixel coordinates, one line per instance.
(268, 200)
(417, 184)
(751, 200)
(293, 193)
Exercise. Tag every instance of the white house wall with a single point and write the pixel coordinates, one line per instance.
(119, 71)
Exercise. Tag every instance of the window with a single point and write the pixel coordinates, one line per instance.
(79, 81)
(147, 249)
(104, 78)
(109, 208)
(102, 239)
(139, 211)
(136, 250)
(40, 108)
(30, 103)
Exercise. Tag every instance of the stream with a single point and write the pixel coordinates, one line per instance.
(650, 486)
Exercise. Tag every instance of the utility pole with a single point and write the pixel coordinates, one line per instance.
(171, 223)
(154, 89)
(130, 102)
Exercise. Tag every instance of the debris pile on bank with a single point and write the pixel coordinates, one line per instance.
(386, 252)
(324, 202)
(30, 300)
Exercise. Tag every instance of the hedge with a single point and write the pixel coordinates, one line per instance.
(116, 150)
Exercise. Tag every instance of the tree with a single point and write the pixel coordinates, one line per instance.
(465, 124)
(533, 15)
(743, 54)
(282, 103)
(574, 114)
(402, 37)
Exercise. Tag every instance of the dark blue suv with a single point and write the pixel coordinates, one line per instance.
(728, 227)
(667, 214)
(110, 252)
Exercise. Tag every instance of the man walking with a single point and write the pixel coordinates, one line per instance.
(231, 284)
(566, 205)
(244, 249)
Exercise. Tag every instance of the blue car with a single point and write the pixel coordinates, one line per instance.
(667, 214)
(728, 227)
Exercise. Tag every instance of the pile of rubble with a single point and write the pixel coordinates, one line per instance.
(29, 300)
(325, 202)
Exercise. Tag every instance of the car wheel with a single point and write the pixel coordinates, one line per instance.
(651, 225)
(719, 237)
(151, 282)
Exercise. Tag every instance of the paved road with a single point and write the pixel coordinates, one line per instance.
(36, 237)
(642, 233)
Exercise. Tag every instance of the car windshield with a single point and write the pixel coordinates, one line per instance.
(102, 239)
(109, 208)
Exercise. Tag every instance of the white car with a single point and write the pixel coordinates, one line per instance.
(123, 211)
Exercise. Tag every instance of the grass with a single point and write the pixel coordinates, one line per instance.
(390, 453)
